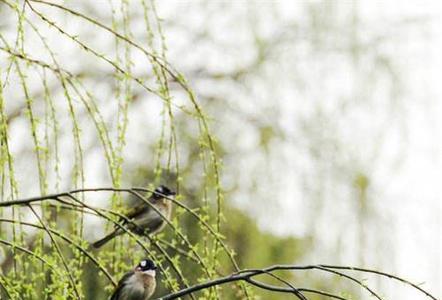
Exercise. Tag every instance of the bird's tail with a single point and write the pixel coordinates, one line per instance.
(106, 239)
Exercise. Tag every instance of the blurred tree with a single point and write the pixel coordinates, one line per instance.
(306, 101)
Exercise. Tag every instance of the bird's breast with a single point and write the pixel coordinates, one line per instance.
(133, 289)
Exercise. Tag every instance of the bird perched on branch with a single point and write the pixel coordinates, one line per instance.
(138, 284)
(144, 219)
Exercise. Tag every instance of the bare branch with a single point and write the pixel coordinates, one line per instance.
(246, 275)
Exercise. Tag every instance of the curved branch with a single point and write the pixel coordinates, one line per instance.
(247, 274)
(37, 256)
(67, 240)
(287, 290)
(291, 288)
(203, 286)
(58, 251)
(381, 274)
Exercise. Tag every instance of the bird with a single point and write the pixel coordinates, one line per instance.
(138, 284)
(143, 219)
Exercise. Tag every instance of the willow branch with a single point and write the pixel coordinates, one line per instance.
(391, 276)
(247, 274)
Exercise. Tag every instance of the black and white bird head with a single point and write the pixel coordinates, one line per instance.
(162, 191)
(147, 266)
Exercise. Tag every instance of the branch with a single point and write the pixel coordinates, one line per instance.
(382, 274)
(247, 274)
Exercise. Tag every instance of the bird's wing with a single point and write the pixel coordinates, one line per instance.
(137, 210)
(133, 213)
(117, 293)
(148, 222)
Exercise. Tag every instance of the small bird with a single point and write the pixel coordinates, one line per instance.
(138, 284)
(143, 219)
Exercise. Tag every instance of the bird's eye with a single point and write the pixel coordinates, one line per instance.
(143, 263)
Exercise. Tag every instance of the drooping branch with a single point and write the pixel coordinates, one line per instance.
(391, 276)
(69, 241)
(247, 276)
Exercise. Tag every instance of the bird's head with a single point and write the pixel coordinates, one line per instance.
(147, 266)
(164, 191)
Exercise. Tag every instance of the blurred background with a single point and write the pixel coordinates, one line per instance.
(326, 116)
